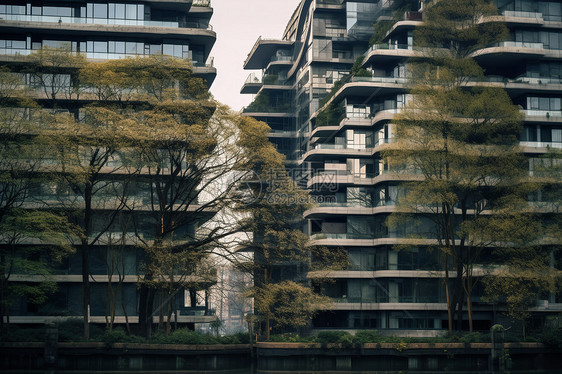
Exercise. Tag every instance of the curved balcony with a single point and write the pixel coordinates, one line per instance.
(510, 52)
(331, 179)
(346, 304)
(203, 36)
(381, 274)
(104, 21)
(252, 85)
(260, 55)
(512, 17)
(352, 240)
(323, 150)
(327, 209)
(368, 86)
(384, 54)
(541, 116)
(282, 134)
(539, 147)
(374, 118)
(521, 85)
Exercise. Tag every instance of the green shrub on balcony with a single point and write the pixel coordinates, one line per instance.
(331, 115)
(263, 104)
(271, 79)
(357, 69)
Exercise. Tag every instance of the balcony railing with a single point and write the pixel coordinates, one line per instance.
(391, 299)
(511, 44)
(541, 144)
(519, 14)
(356, 204)
(380, 79)
(103, 21)
(205, 3)
(542, 113)
(321, 236)
(390, 46)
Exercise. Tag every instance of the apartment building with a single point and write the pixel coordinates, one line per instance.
(100, 31)
(332, 126)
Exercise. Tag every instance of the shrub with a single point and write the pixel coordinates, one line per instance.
(326, 337)
(238, 338)
(552, 337)
(17, 334)
(367, 336)
(118, 335)
(72, 330)
(185, 336)
(474, 337)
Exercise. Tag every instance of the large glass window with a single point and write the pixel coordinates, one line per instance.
(12, 9)
(100, 11)
(131, 11)
(544, 103)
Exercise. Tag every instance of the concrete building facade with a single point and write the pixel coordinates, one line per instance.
(105, 30)
(332, 126)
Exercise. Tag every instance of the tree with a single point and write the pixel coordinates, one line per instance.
(460, 143)
(531, 271)
(271, 206)
(32, 239)
(185, 149)
(287, 304)
(85, 149)
(54, 71)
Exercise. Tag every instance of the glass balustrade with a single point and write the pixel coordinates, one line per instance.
(104, 21)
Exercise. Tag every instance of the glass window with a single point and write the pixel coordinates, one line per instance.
(119, 47)
(111, 11)
(177, 51)
(546, 134)
(555, 103)
(131, 47)
(555, 41)
(140, 12)
(131, 11)
(168, 49)
(532, 103)
(120, 11)
(50, 11)
(18, 44)
(155, 49)
(529, 134)
(100, 10)
(15, 9)
(100, 47)
(557, 135)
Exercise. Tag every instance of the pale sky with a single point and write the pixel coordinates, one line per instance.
(238, 24)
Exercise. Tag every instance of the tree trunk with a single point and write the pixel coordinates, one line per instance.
(3, 301)
(86, 257)
(169, 314)
(146, 301)
(86, 288)
(469, 309)
(448, 295)
(267, 327)
(160, 310)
